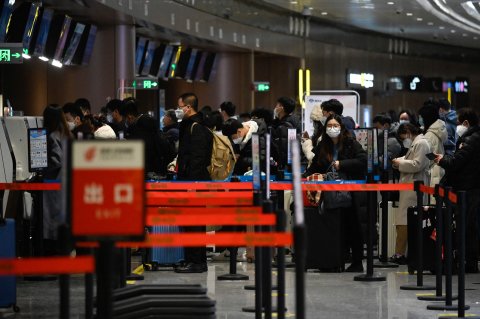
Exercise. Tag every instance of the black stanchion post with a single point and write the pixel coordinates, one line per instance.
(439, 229)
(88, 296)
(383, 258)
(128, 262)
(281, 267)
(371, 209)
(64, 281)
(419, 229)
(462, 212)
(267, 266)
(232, 275)
(105, 266)
(448, 257)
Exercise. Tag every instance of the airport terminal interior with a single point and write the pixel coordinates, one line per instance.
(239, 159)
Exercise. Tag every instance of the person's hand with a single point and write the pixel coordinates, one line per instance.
(395, 163)
(438, 158)
(336, 165)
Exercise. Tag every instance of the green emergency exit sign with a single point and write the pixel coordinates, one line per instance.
(11, 53)
(261, 86)
(145, 84)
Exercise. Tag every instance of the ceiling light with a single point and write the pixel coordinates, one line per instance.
(419, 19)
(45, 59)
(26, 56)
(409, 14)
(475, 38)
(441, 27)
(453, 31)
(390, 3)
(57, 63)
(430, 23)
(465, 35)
(293, 2)
(324, 13)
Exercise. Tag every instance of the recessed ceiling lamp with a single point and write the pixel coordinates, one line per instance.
(293, 2)
(324, 13)
(419, 19)
(465, 35)
(430, 23)
(475, 38)
(43, 58)
(441, 27)
(409, 14)
(390, 3)
(453, 31)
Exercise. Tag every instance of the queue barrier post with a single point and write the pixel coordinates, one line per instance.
(419, 246)
(64, 280)
(383, 258)
(371, 209)
(267, 266)
(448, 305)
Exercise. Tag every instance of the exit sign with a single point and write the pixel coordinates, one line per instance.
(261, 86)
(145, 84)
(11, 53)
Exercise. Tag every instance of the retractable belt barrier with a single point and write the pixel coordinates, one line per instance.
(30, 186)
(47, 266)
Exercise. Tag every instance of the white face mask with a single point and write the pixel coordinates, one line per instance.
(404, 121)
(323, 119)
(407, 143)
(109, 118)
(275, 113)
(179, 113)
(333, 131)
(71, 125)
(461, 129)
(238, 140)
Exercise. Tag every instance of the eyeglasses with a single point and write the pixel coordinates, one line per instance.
(333, 126)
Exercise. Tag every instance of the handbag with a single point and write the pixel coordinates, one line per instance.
(312, 198)
(335, 199)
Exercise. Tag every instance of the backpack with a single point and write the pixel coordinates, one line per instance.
(165, 150)
(223, 157)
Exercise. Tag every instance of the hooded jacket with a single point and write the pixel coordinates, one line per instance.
(436, 136)
(280, 136)
(462, 169)
(244, 162)
(450, 120)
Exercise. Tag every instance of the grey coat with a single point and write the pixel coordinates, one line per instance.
(53, 214)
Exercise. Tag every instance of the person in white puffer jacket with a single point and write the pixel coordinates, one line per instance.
(308, 144)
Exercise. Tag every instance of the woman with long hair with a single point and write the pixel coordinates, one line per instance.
(57, 134)
(339, 151)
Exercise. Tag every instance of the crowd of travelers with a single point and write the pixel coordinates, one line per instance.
(186, 142)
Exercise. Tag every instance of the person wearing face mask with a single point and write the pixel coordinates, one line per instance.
(462, 173)
(339, 150)
(284, 119)
(241, 135)
(413, 167)
(449, 116)
(115, 117)
(435, 132)
(170, 128)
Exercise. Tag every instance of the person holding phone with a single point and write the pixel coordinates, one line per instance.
(462, 173)
(413, 167)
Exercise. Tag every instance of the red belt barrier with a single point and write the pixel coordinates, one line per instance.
(167, 186)
(47, 266)
(344, 187)
(204, 239)
(199, 198)
(196, 220)
(452, 197)
(30, 186)
(427, 189)
(204, 210)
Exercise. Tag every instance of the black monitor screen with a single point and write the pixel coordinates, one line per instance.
(165, 63)
(22, 23)
(74, 40)
(201, 67)
(174, 62)
(210, 67)
(147, 64)
(191, 63)
(43, 32)
(89, 46)
(32, 20)
(62, 39)
(5, 18)
(139, 54)
(37, 149)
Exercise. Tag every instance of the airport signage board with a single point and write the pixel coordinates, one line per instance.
(106, 192)
(145, 84)
(362, 79)
(261, 86)
(11, 53)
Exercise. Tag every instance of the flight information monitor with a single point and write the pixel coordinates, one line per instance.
(37, 149)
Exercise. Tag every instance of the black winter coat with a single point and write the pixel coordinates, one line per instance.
(280, 137)
(194, 149)
(462, 168)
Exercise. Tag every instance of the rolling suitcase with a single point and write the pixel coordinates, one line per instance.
(8, 284)
(324, 240)
(428, 235)
(163, 256)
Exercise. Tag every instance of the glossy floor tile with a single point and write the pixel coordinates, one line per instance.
(329, 295)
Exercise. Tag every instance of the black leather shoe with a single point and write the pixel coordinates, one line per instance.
(398, 259)
(181, 263)
(192, 268)
(355, 267)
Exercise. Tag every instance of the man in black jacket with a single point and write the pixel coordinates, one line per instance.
(461, 173)
(194, 156)
(284, 120)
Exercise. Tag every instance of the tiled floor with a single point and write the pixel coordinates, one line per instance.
(329, 295)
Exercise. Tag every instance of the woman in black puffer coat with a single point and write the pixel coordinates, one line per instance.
(338, 149)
